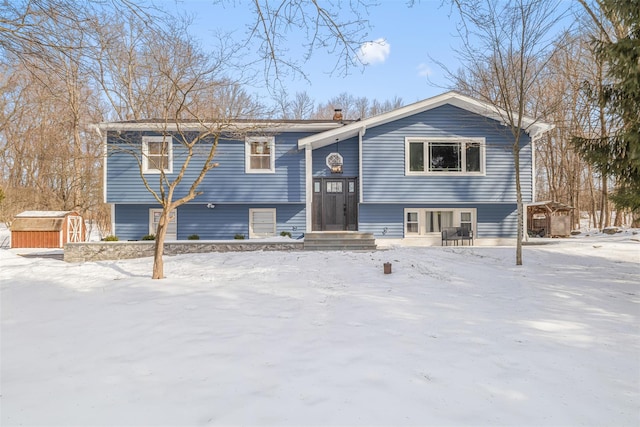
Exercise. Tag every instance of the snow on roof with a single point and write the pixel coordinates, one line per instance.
(43, 214)
(551, 204)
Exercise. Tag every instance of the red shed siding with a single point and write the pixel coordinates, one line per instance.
(34, 229)
(35, 239)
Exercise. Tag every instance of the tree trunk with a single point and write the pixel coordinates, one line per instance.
(618, 218)
(516, 162)
(605, 216)
(604, 202)
(593, 200)
(158, 250)
(577, 201)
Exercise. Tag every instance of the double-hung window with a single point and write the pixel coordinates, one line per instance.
(461, 156)
(157, 154)
(260, 154)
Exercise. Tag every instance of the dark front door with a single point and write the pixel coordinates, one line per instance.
(335, 204)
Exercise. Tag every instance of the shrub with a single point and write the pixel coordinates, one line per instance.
(193, 237)
(239, 237)
(111, 238)
(149, 237)
(285, 234)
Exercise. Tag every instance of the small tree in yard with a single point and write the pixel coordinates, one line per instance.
(147, 67)
(162, 74)
(506, 46)
(164, 189)
(151, 68)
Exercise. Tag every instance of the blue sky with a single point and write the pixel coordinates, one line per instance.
(400, 63)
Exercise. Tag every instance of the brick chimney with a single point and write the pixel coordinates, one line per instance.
(337, 114)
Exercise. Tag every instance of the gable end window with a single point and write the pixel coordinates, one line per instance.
(260, 154)
(458, 156)
(157, 154)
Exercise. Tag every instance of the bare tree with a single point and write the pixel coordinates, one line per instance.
(25, 27)
(48, 159)
(560, 98)
(301, 106)
(613, 148)
(506, 47)
(161, 73)
(337, 27)
(354, 108)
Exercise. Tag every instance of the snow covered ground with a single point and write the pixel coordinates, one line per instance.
(454, 336)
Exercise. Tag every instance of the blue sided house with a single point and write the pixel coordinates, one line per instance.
(404, 175)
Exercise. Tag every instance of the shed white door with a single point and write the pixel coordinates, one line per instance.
(74, 229)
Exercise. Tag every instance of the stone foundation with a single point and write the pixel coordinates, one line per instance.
(105, 251)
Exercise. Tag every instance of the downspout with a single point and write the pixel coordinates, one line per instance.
(525, 206)
(361, 133)
(533, 166)
(105, 155)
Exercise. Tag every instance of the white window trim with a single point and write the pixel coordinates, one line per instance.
(426, 140)
(247, 154)
(422, 216)
(252, 234)
(145, 153)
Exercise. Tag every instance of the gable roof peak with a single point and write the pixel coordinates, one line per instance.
(452, 97)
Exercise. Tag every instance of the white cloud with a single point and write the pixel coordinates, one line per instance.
(424, 70)
(374, 52)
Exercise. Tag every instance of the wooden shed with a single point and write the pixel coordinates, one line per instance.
(549, 219)
(47, 229)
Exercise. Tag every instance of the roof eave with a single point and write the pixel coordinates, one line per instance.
(539, 128)
(532, 127)
(352, 129)
(219, 127)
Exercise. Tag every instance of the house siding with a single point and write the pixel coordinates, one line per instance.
(131, 222)
(381, 220)
(226, 183)
(383, 160)
(498, 220)
(386, 189)
(225, 221)
(348, 149)
(220, 223)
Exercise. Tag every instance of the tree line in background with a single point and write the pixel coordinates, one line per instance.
(65, 66)
(584, 80)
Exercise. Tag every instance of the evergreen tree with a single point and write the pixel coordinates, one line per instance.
(618, 155)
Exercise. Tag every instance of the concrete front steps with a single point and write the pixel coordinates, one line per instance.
(339, 241)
